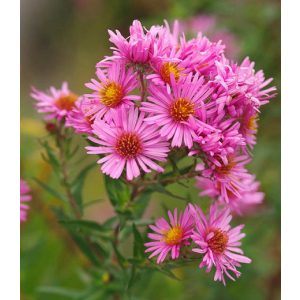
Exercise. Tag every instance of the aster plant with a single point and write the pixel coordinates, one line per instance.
(162, 110)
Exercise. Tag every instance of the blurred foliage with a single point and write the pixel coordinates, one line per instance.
(62, 40)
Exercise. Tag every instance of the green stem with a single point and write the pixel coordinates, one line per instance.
(143, 87)
(64, 173)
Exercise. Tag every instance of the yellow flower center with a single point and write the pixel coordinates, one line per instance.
(181, 109)
(167, 69)
(252, 125)
(218, 242)
(66, 102)
(173, 236)
(225, 169)
(128, 145)
(111, 94)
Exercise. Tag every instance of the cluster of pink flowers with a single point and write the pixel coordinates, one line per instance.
(159, 91)
(212, 237)
(24, 197)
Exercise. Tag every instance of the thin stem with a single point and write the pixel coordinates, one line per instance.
(60, 138)
(172, 179)
(144, 183)
(143, 87)
(64, 172)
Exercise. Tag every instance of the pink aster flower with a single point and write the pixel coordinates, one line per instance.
(218, 242)
(229, 176)
(111, 92)
(77, 119)
(179, 110)
(205, 53)
(57, 103)
(165, 67)
(249, 126)
(256, 83)
(170, 237)
(25, 197)
(219, 144)
(128, 142)
(137, 48)
(238, 86)
(247, 200)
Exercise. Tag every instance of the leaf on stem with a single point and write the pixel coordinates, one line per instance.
(121, 259)
(118, 192)
(78, 183)
(51, 156)
(138, 244)
(50, 190)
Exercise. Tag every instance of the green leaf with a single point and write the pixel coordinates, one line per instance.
(141, 203)
(84, 243)
(138, 244)
(51, 156)
(121, 259)
(132, 277)
(72, 153)
(166, 271)
(71, 294)
(50, 190)
(161, 189)
(85, 247)
(78, 183)
(110, 222)
(83, 224)
(118, 192)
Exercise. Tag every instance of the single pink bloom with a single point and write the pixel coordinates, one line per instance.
(238, 86)
(218, 242)
(247, 201)
(57, 103)
(165, 67)
(217, 145)
(206, 53)
(77, 119)
(229, 176)
(24, 197)
(249, 126)
(128, 142)
(180, 110)
(169, 237)
(111, 91)
(137, 48)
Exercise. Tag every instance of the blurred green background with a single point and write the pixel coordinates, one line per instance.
(62, 40)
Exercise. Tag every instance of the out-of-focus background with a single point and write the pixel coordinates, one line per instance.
(62, 40)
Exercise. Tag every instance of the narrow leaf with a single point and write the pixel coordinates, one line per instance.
(85, 224)
(50, 190)
(138, 245)
(78, 183)
(118, 192)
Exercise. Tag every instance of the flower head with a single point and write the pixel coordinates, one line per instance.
(78, 120)
(247, 200)
(217, 145)
(24, 197)
(128, 142)
(218, 242)
(169, 237)
(111, 92)
(57, 103)
(138, 48)
(249, 126)
(180, 111)
(229, 176)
